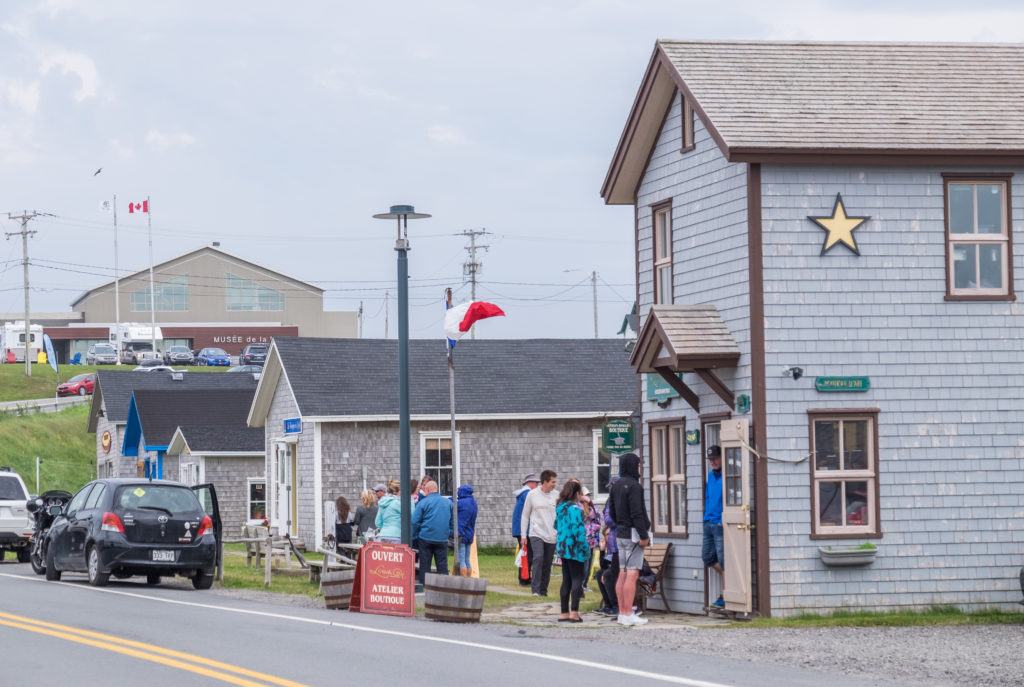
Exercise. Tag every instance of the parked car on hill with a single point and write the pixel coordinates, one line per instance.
(178, 355)
(254, 354)
(79, 385)
(15, 524)
(213, 356)
(126, 527)
(101, 354)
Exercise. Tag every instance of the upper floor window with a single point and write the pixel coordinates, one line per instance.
(170, 294)
(844, 473)
(663, 254)
(979, 238)
(246, 294)
(686, 110)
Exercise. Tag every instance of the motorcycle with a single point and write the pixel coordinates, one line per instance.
(44, 510)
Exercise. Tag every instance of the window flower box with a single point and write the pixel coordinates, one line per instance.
(847, 556)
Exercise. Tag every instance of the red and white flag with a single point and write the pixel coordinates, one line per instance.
(138, 207)
(458, 319)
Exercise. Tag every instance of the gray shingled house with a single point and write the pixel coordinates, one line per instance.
(109, 410)
(329, 409)
(827, 277)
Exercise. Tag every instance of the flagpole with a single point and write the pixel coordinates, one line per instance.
(117, 291)
(152, 292)
(455, 464)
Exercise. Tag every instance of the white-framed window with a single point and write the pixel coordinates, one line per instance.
(437, 461)
(602, 469)
(979, 238)
(170, 293)
(668, 477)
(662, 223)
(257, 499)
(248, 295)
(190, 472)
(844, 473)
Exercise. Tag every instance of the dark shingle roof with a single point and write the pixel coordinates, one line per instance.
(211, 419)
(360, 376)
(116, 387)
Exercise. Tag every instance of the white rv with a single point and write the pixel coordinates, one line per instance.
(137, 342)
(12, 339)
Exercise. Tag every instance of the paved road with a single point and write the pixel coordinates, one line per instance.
(171, 635)
(43, 405)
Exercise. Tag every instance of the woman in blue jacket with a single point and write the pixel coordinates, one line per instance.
(467, 528)
(573, 548)
(389, 514)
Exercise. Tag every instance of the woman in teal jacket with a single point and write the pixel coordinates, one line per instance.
(389, 514)
(572, 547)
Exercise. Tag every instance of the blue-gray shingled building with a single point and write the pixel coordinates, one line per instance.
(329, 410)
(827, 277)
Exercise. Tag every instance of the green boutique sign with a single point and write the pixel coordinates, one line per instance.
(617, 436)
(658, 389)
(827, 384)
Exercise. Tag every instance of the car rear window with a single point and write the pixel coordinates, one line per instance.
(10, 490)
(104, 349)
(258, 348)
(215, 351)
(165, 497)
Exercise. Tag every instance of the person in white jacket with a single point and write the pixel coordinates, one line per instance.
(539, 520)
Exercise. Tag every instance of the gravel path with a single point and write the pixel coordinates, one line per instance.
(989, 655)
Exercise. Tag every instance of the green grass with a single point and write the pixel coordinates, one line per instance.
(238, 576)
(68, 451)
(15, 386)
(937, 615)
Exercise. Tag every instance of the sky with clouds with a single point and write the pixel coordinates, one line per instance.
(280, 132)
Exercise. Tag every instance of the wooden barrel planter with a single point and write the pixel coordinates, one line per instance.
(337, 588)
(453, 599)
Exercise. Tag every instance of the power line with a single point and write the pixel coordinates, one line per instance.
(471, 268)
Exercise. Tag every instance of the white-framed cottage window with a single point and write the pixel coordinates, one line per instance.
(844, 473)
(979, 238)
(437, 461)
(190, 473)
(662, 223)
(668, 478)
(602, 470)
(257, 499)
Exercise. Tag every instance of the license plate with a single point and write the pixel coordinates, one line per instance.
(163, 556)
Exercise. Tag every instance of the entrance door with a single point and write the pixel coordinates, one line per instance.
(710, 436)
(287, 515)
(736, 515)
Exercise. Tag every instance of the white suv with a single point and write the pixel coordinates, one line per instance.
(15, 523)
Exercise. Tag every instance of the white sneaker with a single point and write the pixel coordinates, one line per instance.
(623, 620)
(632, 620)
(637, 620)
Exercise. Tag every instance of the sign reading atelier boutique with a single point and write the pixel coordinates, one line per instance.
(385, 581)
(826, 384)
(617, 436)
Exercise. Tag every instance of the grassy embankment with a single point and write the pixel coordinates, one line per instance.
(15, 386)
(68, 451)
(937, 615)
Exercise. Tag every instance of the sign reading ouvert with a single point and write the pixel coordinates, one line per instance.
(385, 580)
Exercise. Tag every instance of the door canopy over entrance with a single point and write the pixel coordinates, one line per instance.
(686, 338)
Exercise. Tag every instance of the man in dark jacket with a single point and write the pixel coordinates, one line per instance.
(632, 525)
(431, 527)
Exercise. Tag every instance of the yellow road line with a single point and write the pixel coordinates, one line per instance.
(148, 652)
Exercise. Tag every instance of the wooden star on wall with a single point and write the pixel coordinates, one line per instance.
(839, 227)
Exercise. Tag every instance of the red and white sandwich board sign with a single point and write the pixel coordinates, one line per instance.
(385, 581)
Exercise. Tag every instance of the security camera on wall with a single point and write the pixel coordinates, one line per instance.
(794, 372)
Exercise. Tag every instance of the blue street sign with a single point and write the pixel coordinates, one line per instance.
(293, 425)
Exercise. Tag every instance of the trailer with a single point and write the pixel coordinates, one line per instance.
(12, 342)
(137, 342)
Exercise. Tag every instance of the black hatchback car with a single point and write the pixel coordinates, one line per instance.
(254, 354)
(126, 527)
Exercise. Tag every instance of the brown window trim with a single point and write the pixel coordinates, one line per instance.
(655, 209)
(812, 415)
(1005, 177)
(651, 426)
(686, 115)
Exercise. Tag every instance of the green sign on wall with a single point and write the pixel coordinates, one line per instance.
(658, 389)
(826, 384)
(617, 436)
(693, 437)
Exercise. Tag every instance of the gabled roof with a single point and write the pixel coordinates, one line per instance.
(684, 338)
(155, 415)
(188, 256)
(802, 102)
(346, 378)
(113, 390)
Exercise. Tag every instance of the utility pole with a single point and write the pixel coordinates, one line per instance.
(359, 324)
(471, 268)
(117, 291)
(387, 299)
(152, 291)
(593, 284)
(25, 217)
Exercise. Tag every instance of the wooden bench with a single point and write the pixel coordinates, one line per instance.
(255, 539)
(334, 561)
(656, 556)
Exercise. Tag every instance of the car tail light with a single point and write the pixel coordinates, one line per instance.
(205, 525)
(112, 523)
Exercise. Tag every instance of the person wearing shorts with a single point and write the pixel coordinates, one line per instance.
(632, 531)
(713, 551)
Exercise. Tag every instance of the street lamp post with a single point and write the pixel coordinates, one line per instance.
(402, 214)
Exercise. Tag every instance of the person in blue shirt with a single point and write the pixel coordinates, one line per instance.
(431, 528)
(714, 548)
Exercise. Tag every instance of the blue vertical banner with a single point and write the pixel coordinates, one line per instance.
(51, 357)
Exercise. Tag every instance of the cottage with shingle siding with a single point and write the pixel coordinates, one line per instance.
(842, 214)
(329, 409)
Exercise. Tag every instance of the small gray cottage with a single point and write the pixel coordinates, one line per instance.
(329, 410)
(826, 276)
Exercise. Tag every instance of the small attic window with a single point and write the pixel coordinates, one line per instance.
(687, 116)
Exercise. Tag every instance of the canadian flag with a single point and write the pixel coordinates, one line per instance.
(138, 207)
(459, 318)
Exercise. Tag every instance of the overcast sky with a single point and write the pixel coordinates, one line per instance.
(280, 131)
